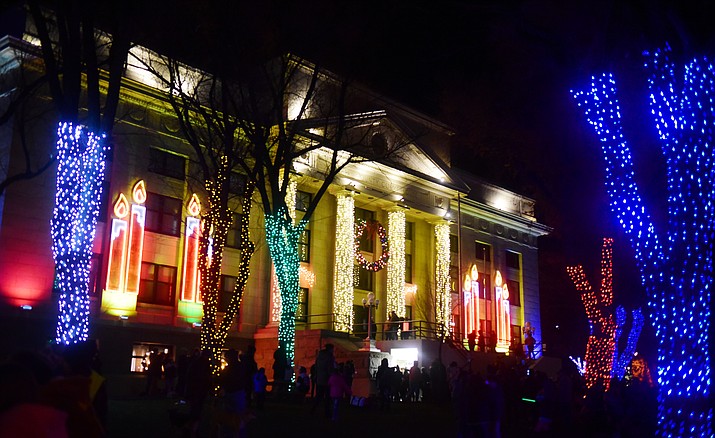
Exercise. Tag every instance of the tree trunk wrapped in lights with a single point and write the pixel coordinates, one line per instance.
(216, 224)
(81, 158)
(282, 237)
(678, 274)
(601, 343)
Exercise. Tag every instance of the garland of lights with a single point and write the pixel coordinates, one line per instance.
(81, 158)
(442, 280)
(380, 263)
(601, 343)
(678, 277)
(344, 262)
(396, 263)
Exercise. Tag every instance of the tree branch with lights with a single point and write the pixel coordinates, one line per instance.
(601, 344)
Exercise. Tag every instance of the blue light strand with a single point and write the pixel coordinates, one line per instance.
(679, 277)
(81, 158)
(623, 359)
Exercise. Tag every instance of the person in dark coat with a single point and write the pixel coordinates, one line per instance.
(324, 366)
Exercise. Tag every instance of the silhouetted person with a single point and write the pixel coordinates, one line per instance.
(324, 366)
(472, 340)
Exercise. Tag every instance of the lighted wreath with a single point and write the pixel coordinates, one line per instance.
(371, 227)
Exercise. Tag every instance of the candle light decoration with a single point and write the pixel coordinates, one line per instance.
(136, 238)
(471, 301)
(118, 246)
(190, 283)
(679, 275)
(503, 313)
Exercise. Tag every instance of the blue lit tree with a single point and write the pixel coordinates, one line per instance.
(75, 57)
(675, 263)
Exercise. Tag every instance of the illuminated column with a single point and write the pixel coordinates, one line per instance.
(442, 288)
(344, 261)
(396, 262)
(190, 281)
(136, 238)
(118, 246)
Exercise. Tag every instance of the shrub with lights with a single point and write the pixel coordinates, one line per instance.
(81, 158)
(675, 263)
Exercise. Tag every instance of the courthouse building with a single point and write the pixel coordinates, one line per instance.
(467, 248)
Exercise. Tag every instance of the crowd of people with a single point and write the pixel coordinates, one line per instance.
(63, 388)
(57, 392)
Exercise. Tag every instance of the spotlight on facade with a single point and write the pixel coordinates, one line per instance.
(196, 325)
(123, 317)
(26, 307)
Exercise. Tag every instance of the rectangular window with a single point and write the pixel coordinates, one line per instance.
(301, 312)
(483, 252)
(233, 237)
(163, 214)
(304, 246)
(226, 287)
(167, 164)
(408, 268)
(302, 200)
(364, 279)
(514, 292)
(158, 283)
(512, 260)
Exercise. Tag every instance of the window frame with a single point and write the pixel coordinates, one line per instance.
(172, 284)
(163, 213)
(483, 252)
(516, 292)
(303, 305)
(160, 163)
